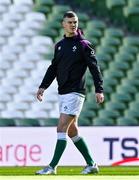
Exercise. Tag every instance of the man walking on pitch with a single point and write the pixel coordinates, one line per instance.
(73, 54)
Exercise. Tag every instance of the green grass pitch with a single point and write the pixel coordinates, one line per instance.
(70, 173)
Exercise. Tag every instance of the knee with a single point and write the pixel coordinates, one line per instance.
(72, 131)
(72, 134)
(61, 128)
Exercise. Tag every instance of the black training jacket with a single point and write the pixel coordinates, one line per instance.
(72, 56)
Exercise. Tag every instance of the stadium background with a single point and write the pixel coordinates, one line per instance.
(28, 32)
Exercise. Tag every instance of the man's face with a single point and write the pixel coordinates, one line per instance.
(70, 25)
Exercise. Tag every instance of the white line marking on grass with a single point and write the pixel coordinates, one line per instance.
(88, 177)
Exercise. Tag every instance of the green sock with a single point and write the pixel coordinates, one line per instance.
(82, 147)
(60, 147)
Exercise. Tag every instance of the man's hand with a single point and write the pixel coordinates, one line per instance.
(40, 94)
(99, 98)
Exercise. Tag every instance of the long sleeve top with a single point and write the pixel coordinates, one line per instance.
(72, 56)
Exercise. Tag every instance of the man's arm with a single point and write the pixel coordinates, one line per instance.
(48, 78)
(94, 69)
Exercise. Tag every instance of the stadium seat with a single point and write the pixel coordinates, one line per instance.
(135, 65)
(19, 9)
(103, 58)
(2, 106)
(133, 82)
(111, 41)
(3, 9)
(17, 74)
(114, 32)
(132, 113)
(89, 114)
(134, 74)
(106, 50)
(90, 97)
(26, 122)
(5, 2)
(55, 17)
(28, 89)
(41, 40)
(42, 9)
(2, 41)
(35, 82)
(6, 90)
(24, 65)
(91, 105)
(83, 17)
(8, 57)
(89, 83)
(60, 9)
(96, 24)
(117, 65)
(133, 3)
(108, 91)
(48, 31)
(46, 3)
(12, 114)
(137, 96)
(112, 74)
(54, 112)
(25, 32)
(35, 16)
(18, 40)
(42, 106)
(23, 2)
(36, 114)
(48, 121)
(4, 122)
(13, 17)
(128, 89)
(99, 8)
(5, 98)
(95, 33)
(110, 82)
(124, 56)
(2, 74)
(19, 106)
(134, 105)
(116, 10)
(132, 15)
(130, 49)
(53, 99)
(11, 25)
(9, 49)
(127, 121)
(5, 65)
(32, 25)
(131, 41)
(103, 121)
(104, 113)
(84, 121)
(16, 83)
(24, 97)
(5, 32)
(116, 106)
(40, 49)
(121, 97)
(30, 56)
(137, 57)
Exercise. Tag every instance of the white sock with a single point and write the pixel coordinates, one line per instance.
(62, 136)
(75, 138)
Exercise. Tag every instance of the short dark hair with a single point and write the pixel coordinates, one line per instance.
(70, 14)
